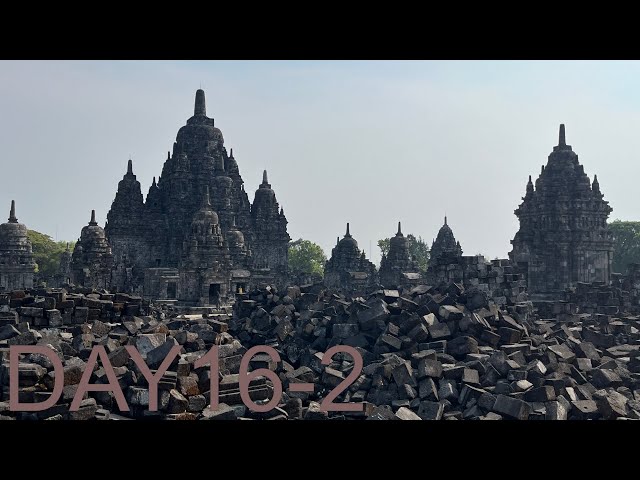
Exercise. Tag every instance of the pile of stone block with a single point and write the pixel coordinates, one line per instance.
(432, 353)
(499, 278)
(57, 307)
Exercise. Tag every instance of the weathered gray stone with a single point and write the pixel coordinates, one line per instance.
(404, 413)
(512, 407)
(430, 410)
(461, 346)
(223, 412)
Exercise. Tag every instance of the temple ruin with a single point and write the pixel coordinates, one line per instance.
(445, 245)
(398, 267)
(92, 260)
(348, 268)
(17, 266)
(563, 237)
(197, 236)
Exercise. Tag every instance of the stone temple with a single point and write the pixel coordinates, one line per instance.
(348, 268)
(445, 245)
(196, 236)
(17, 266)
(398, 267)
(92, 259)
(563, 237)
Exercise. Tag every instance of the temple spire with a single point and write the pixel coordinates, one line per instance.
(596, 185)
(93, 218)
(264, 177)
(562, 142)
(399, 230)
(200, 107)
(347, 234)
(529, 187)
(231, 153)
(153, 184)
(205, 201)
(130, 167)
(445, 219)
(12, 213)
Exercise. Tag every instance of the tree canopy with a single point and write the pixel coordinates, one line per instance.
(418, 248)
(306, 257)
(46, 252)
(626, 244)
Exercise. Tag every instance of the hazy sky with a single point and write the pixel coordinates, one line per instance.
(369, 143)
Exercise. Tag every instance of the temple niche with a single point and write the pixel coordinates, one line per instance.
(17, 265)
(398, 268)
(563, 237)
(152, 239)
(348, 268)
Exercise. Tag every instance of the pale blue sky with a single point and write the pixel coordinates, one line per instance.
(368, 143)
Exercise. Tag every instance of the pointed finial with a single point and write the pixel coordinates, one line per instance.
(529, 187)
(153, 184)
(12, 213)
(347, 234)
(399, 229)
(337, 240)
(205, 201)
(561, 137)
(281, 211)
(200, 107)
(596, 185)
(129, 166)
(93, 218)
(231, 154)
(445, 219)
(264, 177)
(168, 155)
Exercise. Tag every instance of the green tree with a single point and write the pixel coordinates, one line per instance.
(626, 244)
(384, 244)
(306, 257)
(46, 252)
(418, 249)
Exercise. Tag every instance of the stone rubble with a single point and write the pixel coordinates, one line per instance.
(429, 352)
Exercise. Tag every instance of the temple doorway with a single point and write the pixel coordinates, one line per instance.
(171, 290)
(214, 293)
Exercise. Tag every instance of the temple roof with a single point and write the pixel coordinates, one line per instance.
(562, 181)
(13, 235)
(445, 242)
(347, 242)
(206, 214)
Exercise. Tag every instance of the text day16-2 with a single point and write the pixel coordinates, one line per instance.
(210, 358)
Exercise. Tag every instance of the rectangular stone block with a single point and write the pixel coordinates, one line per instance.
(512, 407)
